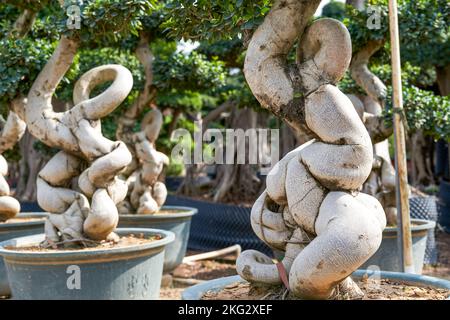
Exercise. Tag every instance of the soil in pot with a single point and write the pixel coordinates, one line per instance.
(373, 290)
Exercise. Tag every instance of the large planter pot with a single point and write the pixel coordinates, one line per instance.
(196, 292)
(14, 230)
(122, 273)
(179, 222)
(217, 226)
(388, 256)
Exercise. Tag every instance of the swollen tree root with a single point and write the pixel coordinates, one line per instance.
(312, 207)
(79, 186)
(146, 195)
(12, 131)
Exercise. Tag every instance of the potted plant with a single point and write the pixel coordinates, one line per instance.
(80, 188)
(371, 106)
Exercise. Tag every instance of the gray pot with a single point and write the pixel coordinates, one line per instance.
(15, 230)
(179, 223)
(122, 273)
(388, 256)
(196, 292)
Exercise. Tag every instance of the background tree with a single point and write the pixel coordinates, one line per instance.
(425, 46)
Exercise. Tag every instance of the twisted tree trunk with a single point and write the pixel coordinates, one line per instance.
(312, 208)
(79, 186)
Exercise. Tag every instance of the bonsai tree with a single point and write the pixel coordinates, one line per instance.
(302, 196)
(80, 186)
(146, 194)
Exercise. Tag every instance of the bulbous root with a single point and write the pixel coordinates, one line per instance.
(312, 207)
(146, 194)
(88, 162)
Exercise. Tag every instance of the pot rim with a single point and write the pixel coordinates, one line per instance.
(196, 292)
(7, 226)
(85, 254)
(188, 212)
(422, 225)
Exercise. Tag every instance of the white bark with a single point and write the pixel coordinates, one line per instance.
(86, 156)
(312, 208)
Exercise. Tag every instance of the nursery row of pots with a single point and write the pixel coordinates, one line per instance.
(135, 272)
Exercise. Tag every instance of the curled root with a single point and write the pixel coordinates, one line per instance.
(11, 131)
(312, 208)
